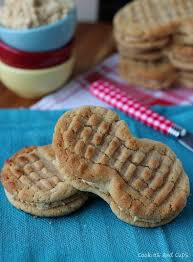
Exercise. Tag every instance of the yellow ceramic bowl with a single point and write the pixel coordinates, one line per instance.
(35, 83)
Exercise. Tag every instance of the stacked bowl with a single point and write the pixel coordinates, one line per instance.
(37, 61)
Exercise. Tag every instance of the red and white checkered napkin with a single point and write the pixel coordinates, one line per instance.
(114, 96)
(76, 93)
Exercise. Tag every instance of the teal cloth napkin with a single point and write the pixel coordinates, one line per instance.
(93, 233)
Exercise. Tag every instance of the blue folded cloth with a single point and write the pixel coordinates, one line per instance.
(93, 233)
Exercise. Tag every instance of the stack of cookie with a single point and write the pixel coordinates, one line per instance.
(93, 151)
(181, 56)
(143, 30)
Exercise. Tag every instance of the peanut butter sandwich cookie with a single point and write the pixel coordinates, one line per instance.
(131, 53)
(150, 74)
(183, 39)
(181, 56)
(185, 79)
(184, 33)
(34, 184)
(146, 20)
(140, 45)
(142, 180)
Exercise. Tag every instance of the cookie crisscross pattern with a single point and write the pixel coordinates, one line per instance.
(149, 170)
(32, 176)
(153, 18)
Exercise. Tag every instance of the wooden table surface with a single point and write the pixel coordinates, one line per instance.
(94, 42)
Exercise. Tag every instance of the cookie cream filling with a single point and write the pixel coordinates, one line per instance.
(44, 206)
(136, 218)
(93, 185)
(139, 219)
(57, 203)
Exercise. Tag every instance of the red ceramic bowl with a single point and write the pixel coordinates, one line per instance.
(28, 60)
